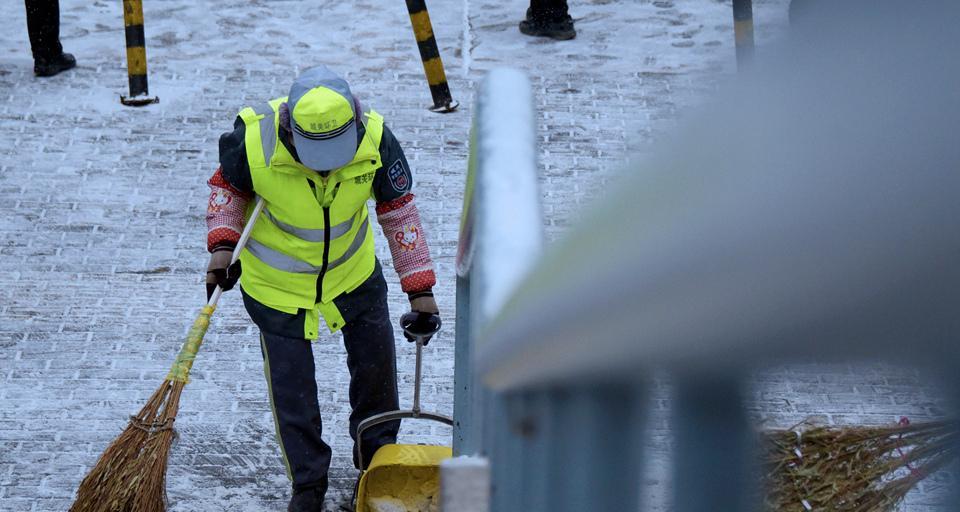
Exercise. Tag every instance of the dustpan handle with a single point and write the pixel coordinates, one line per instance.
(416, 382)
(416, 413)
(247, 230)
(409, 324)
(391, 416)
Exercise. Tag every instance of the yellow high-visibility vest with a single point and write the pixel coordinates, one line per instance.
(311, 227)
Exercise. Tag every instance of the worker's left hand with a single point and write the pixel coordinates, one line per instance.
(424, 304)
(421, 311)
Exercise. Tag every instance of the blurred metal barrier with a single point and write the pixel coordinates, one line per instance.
(795, 217)
(500, 243)
(501, 231)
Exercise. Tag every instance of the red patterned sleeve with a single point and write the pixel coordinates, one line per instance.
(401, 224)
(225, 213)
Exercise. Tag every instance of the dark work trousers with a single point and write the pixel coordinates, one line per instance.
(547, 10)
(43, 25)
(289, 367)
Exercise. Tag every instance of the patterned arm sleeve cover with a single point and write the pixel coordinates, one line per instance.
(401, 225)
(225, 212)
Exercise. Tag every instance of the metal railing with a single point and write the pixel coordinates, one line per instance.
(501, 232)
(500, 244)
(797, 217)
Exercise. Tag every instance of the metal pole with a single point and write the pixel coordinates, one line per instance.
(416, 386)
(430, 55)
(743, 30)
(136, 55)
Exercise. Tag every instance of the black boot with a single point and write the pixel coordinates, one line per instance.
(307, 500)
(53, 65)
(554, 27)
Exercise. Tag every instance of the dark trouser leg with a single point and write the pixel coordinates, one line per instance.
(43, 25)
(289, 368)
(371, 359)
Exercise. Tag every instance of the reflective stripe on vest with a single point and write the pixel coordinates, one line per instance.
(311, 235)
(267, 133)
(281, 261)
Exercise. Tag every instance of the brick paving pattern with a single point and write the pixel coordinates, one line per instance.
(102, 238)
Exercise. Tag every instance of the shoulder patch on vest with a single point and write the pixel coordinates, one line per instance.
(399, 177)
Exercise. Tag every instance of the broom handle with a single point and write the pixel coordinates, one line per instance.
(239, 248)
(180, 371)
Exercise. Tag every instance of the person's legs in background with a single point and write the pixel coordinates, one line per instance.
(43, 25)
(548, 18)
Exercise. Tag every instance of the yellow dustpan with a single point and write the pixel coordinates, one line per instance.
(404, 477)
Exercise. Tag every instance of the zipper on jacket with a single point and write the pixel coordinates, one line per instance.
(326, 240)
(326, 252)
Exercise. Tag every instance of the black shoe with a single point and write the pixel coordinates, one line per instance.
(53, 65)
(560, 29)
(307, 500)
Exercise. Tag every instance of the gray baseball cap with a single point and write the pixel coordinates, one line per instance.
(323, 119)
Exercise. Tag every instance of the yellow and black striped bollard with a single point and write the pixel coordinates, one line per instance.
(136, 55)
(430, 55)
(743, 30)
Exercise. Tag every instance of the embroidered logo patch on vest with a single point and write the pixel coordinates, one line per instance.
(398, 176)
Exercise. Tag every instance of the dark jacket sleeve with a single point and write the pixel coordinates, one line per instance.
(233, 158)
(393, 178)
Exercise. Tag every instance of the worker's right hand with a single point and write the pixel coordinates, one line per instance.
(220, 272)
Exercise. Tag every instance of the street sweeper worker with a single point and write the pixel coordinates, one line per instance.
(316, 157)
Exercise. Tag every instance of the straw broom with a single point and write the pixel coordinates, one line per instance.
(130, 475)
(853, 469)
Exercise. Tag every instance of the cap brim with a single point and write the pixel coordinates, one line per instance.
(329, 154)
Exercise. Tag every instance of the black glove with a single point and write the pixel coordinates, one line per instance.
(220, 272)
(420, 324)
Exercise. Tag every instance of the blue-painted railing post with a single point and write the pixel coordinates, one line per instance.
(463, 441)
(566, 449)
(505, 450)
(714, 446)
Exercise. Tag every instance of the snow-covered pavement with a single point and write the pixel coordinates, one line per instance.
(102, 231)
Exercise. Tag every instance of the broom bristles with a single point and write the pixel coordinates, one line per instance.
(130, 474)
(856, 469)
(151, 495)
(97, 487)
